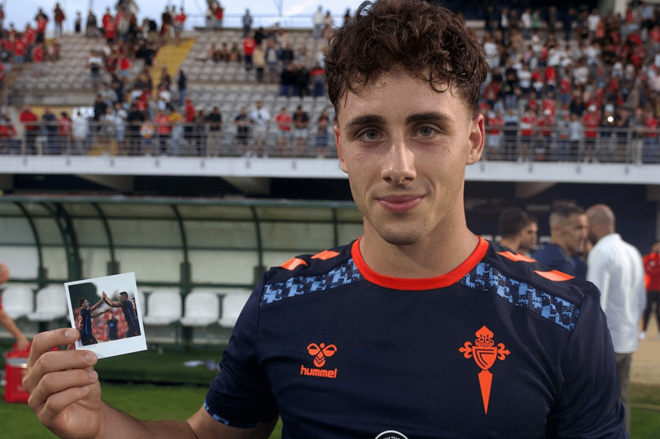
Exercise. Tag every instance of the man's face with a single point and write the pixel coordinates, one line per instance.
(405, 148)
(85, 304)
(528, 237)
(572, 233)
(123, 297)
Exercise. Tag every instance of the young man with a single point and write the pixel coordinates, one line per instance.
(419, 329)
(86, 314)
(519, 230)
(568, 240)
(130, 313)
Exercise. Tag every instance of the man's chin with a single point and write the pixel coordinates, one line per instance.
(400, 239)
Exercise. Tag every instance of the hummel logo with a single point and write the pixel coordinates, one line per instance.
(320, 353)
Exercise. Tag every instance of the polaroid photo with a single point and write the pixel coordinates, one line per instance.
(108, 313)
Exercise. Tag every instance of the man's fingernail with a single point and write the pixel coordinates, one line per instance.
(93, 375)
(70, 333)
(91, 358)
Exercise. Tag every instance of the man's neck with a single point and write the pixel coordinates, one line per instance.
(562, 246)
(510, 243)
(424, 259)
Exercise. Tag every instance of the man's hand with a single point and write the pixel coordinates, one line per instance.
(64, 389)
(22, 342)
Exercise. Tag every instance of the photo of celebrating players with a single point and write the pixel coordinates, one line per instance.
(107, 312)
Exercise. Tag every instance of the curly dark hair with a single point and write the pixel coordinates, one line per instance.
(427, 40)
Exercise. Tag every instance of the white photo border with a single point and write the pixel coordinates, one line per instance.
(121, 282)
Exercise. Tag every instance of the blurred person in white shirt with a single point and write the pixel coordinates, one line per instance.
(616, 268)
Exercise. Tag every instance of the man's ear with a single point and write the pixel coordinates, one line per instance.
(342, 162)
(477, 136)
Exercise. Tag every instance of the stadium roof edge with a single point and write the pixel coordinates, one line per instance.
(320, 204)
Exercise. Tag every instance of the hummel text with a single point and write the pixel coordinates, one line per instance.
(324, 373)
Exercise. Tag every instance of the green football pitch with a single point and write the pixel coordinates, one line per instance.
(158, 386)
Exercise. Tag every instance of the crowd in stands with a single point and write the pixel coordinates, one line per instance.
(577, 86)
(564, 85)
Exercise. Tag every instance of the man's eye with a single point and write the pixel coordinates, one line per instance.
(426, 131)
(370, 135)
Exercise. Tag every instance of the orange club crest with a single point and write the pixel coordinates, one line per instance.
(485, 353)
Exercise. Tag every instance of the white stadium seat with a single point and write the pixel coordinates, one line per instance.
(18, 301)
(201, 308)
(50, 304)
(232, 305)
(164, 307)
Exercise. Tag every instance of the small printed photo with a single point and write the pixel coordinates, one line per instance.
(108, 313)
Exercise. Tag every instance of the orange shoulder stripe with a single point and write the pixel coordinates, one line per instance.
(325, 255)
(293, 263)
(554, 275)
(516, 257)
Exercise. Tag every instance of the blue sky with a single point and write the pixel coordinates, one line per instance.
(21, 11)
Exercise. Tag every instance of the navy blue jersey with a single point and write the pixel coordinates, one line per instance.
(112, 328)
(85, 321)
(86, 335)
(130, 315)
(553, 256)
(498, 347)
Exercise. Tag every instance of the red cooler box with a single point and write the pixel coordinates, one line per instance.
(15, 369)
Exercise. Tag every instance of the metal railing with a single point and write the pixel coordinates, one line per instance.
(559, 144)
(503, 143)
(185, 140)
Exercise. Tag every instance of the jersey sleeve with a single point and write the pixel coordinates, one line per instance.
(240, 395)
(588, 404)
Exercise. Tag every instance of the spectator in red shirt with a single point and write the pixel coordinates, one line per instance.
(179, 22)
(544, 125)
(527, 123)
(38, 59)
(493, 139)
(652, 269)
(110, 29)
(284, 122)
(591, 122)
(163, 129)
(30, 34)
(42, 23)
(65, 125)
(189, 115)
(29, 121)
(10, 144)
(651, 153)
(248, 48)
(107, 18)
(20, 49)
(59, 17)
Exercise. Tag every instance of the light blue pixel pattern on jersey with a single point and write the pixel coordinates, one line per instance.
(345, 274)
(485, 277)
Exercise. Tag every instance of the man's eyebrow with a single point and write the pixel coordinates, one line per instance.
(368, 119)
(427, 117)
